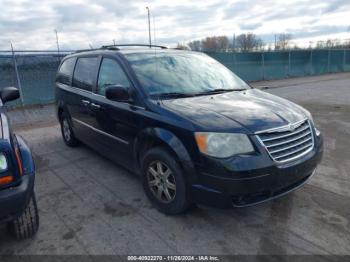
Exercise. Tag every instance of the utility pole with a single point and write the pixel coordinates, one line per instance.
(113, 41)
(275, 41)
(149, 27)
(17, 73)
(57, 43)
(234, 42)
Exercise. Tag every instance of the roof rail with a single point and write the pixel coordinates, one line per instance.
(116, 47)
(87, 50)
(126, 45)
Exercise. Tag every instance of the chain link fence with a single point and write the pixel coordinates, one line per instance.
(257, 66)
(34, 72)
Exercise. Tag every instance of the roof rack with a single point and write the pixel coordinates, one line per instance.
(87, 50)
(126, 45)
(116, 47)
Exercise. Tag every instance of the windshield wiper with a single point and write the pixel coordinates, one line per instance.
(173, 94)
(218, 91)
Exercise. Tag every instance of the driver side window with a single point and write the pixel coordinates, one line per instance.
(110, 74)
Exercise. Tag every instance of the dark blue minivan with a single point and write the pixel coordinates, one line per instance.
(17, 174)
(193, 130)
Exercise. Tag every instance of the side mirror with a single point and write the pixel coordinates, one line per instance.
(8, 94)
(118, 93)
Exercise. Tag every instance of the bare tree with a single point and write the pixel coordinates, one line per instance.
(182, 46)
(283, 41)
(249, 42)
(195, 45)
(215, 43)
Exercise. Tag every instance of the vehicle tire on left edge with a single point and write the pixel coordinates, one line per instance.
(26, 225)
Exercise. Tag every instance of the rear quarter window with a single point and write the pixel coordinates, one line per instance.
(65, 72)
(85, 73)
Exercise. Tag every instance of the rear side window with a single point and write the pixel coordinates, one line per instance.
(85, 73)
(65, 72)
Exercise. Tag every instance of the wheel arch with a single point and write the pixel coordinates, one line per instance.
(152, 137)
(60, 109)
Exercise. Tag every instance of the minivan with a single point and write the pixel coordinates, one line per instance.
(194, 131)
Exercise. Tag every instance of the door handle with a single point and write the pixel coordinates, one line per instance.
(96, 106)
(85, 102)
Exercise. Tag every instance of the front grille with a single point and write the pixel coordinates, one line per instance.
(285, 144)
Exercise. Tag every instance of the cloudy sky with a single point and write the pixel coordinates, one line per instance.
(30, 24)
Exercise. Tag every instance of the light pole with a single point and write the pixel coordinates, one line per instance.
(58, 45)
(149, 27)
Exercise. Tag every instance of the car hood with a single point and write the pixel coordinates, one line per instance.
(253, 110)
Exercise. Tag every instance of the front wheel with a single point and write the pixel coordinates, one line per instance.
(26, 225)
(164, 182)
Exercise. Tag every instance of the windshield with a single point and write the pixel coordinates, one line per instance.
(182, 73)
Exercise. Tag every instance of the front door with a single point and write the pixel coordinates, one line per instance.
(115, 121)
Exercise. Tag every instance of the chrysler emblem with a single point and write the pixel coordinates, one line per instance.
(291, 127)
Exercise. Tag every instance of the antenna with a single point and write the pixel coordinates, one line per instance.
(149, 26)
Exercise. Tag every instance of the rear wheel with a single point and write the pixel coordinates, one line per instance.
(164, 182)
(27, 224)
(67, 132)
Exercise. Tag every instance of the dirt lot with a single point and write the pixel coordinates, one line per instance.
(88, 205)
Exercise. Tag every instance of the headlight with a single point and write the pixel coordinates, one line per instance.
(223, 145)
(3, 163)
(309, 116)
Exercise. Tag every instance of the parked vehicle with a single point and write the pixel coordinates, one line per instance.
(18, 206)
(192, 129)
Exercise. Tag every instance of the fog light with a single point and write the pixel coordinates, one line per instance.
(6, 180)
(318, 132)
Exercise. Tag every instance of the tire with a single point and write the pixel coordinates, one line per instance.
(172, 180)
(67, 132)
(27, 224)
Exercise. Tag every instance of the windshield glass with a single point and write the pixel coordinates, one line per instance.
(182, 73)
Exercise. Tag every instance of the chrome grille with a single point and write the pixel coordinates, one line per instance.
(286, 143)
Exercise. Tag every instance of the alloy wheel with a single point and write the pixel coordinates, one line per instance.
(66, 130)
(161, 181)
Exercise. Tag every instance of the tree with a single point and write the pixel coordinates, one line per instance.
(249, 42)
(283, 41)
(195, 45)
(182, 46)
(215, 43)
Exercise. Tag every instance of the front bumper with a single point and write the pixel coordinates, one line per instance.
(223, 187)
(14, 199)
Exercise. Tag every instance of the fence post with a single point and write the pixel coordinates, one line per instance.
(289, 63)
(329, 60)
(263, 64)
(17, 75)
(311, 62)
(344, 60)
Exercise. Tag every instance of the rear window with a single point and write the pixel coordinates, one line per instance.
(85, 73)
(66, 70)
